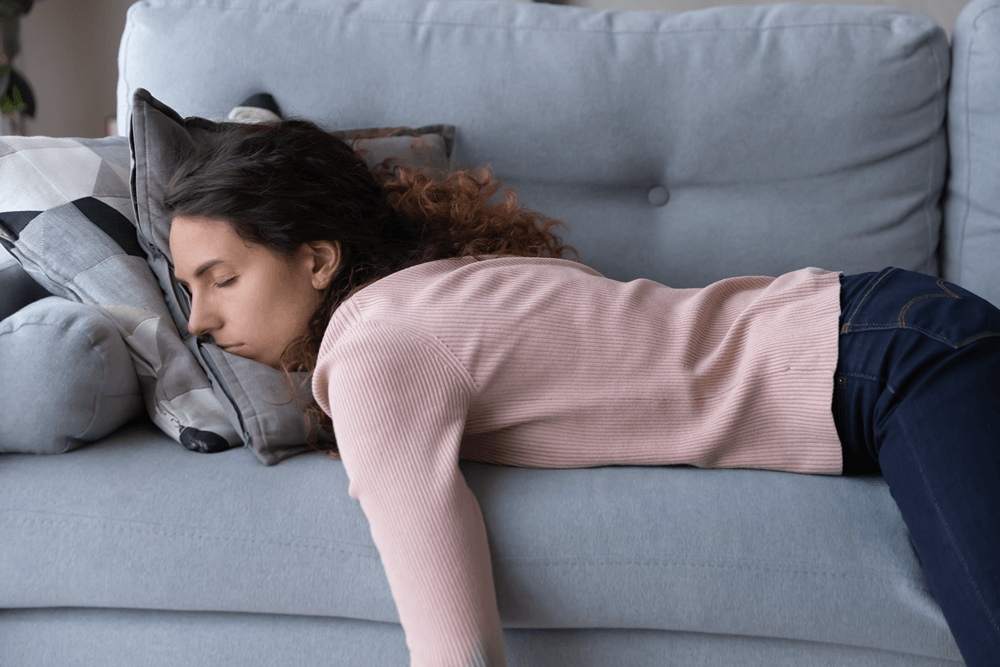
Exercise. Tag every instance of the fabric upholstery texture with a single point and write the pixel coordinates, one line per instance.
(681, 148)
(122, 637)
(658, 548)
(971, 243)
(66, 378)
(253, 394)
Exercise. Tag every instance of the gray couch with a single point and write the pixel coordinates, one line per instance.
(680, 148)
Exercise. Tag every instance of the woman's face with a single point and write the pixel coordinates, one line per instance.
(250, 300)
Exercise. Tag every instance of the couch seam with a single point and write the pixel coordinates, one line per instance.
(117, 526)
(963, 223)
(881, 24)
(872, 575)
(931, 163)
(671, 31)
(963, 227)
(968, 141)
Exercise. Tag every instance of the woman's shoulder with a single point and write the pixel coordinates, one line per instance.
(490, 263)
(462, 277)
(455, 295)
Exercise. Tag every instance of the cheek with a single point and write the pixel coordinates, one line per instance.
(285, 307)
(306, 304)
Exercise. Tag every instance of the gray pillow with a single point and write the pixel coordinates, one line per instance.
(253, 394)
(66, 378)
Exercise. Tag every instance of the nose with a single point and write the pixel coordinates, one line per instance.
(201, 321)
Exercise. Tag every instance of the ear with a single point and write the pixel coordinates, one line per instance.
(324, 262)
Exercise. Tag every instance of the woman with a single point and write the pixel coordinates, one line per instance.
(439, 326)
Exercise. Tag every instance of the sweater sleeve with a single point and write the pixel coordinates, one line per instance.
(398, 401)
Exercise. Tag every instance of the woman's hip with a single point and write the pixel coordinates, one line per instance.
(894, 298)
(900, 333)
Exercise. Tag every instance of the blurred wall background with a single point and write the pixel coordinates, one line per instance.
(69, 53)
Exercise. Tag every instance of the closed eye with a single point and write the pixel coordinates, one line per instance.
(226, 283)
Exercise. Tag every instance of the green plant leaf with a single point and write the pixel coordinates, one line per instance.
(8, 106)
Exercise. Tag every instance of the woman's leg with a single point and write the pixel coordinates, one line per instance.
(917, 394)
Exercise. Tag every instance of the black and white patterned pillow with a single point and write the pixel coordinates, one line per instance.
(66, 216)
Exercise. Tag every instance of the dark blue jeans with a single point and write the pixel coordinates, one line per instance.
(917, 399)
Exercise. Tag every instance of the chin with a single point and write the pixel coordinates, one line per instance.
(242, 352)
(272, 363)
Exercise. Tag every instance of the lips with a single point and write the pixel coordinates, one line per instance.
(227, 348)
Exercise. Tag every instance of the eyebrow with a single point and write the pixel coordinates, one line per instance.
(201, 269)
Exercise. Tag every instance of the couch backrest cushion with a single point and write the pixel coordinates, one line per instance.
(682, 148)
(971, 244)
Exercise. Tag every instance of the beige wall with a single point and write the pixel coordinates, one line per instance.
(69, 53)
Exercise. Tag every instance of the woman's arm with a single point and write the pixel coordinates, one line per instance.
(399, 402)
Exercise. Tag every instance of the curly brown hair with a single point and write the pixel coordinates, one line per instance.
(280, 185)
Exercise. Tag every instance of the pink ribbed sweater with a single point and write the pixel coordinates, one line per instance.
(546, 363)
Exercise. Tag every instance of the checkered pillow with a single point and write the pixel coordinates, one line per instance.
(66, 215)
